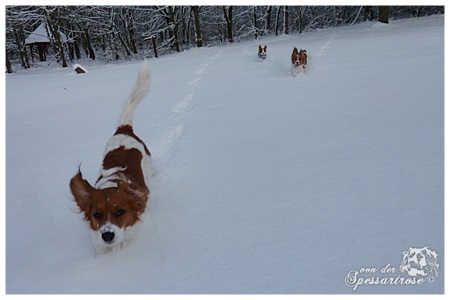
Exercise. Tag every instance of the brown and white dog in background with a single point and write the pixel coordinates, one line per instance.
(299, 60)
(262, 52)
(115, 204)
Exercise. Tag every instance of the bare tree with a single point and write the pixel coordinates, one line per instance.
(286, 19)
(383, 14)
(87, 43)
(18, 21)
(277, 22)
(228, 14)
(269, 18)
(124, 32)
(52, 19)
(82, 23)
(198, 32)
(301, 16)
(369, 13)
(168, 13)
(126, 16)
(255, 23)
(8, 64)
(20, 42)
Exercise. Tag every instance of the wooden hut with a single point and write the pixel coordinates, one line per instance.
(41, 38)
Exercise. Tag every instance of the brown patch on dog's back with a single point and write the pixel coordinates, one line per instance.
(126, 158)
(128, 130)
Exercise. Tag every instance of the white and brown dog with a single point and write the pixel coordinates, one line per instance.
(262, 52)
(115, 204)
(299, 60)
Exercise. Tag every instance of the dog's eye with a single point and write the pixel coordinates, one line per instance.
(120, 212)
(98, 215)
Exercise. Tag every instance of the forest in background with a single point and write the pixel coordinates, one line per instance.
(112, 33)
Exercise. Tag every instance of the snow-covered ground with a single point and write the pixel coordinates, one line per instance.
(267, 183)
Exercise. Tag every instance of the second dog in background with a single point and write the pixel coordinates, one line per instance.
(262, 52)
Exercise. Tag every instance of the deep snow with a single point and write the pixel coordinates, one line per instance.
(266, 183)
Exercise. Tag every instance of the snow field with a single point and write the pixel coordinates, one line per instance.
(267, 183)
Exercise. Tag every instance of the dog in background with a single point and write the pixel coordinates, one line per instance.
(113, 207)
(262, 52)
(299, 60)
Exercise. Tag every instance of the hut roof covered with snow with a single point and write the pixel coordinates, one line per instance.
(42, 35)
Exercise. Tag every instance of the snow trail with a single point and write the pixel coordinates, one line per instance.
(171, 135)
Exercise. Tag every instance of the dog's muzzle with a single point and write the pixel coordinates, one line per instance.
(108, 235)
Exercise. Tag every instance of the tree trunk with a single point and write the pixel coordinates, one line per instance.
(132, 40)
(255, 23)
(88, 44)
(41, 48)
(185, 39)
(228, 14)
(31, 52)
(169, 16)
(102, 40)
(418, 10)
(154, 46)
(277, 24)
(113, 46)
(300, 21)
(22, 38)
(383, 14)
(127, 50)
(369, 13)
(286, 19)
(52, 24)
(71, 51)
(84, 42)
(198, 32)
(8, 64)
(22, 53)
(269, 17)
(77, 49)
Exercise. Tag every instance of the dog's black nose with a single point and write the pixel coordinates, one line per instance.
(108, 236)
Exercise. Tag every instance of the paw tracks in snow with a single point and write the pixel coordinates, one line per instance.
(165, 147)
(325, 46)
(186, 103)
(170, 137)
(183, 105)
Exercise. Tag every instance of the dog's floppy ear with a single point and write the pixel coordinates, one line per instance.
(295, 51)
(81, 190)
(260, 48)
(265, 47)
(138, 195)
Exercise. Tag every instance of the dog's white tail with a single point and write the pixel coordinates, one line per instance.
(138, 93)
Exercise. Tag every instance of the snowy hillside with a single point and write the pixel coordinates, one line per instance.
(267, 183)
